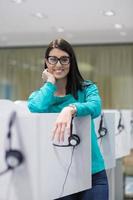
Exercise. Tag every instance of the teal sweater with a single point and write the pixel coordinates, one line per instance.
(88, 103)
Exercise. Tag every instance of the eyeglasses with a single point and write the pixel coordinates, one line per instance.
(53, 60)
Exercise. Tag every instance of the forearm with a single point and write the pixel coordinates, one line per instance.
(40, 100)
(88, 108)
(92, 103)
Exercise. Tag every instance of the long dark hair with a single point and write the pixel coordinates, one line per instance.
(74, 77)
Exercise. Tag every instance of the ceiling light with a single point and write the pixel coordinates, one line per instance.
(109, 13)
(40, 15)
(60, 30)
(18, 1)
(118, 26)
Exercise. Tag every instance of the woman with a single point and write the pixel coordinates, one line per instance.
(67, 93)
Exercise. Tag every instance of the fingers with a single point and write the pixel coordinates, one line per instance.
(62, 132)
(44, 76)
(62, 125)
(54, 132)
(47, 72)
(59, 131)
(48, 76)
(68, 127)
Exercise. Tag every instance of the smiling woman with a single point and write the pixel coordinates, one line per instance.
(66, 92)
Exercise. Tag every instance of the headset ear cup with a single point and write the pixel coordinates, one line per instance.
(14, 158)
(120, 127)
(74, 140)
(102, 131)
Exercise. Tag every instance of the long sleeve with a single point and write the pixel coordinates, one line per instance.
(92, 104)
(39, 101)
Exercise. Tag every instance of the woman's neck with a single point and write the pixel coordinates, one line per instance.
(61, 87)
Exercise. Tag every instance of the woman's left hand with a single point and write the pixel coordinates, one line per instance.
(62, 124)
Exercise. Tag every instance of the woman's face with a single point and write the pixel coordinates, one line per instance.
(58, 63)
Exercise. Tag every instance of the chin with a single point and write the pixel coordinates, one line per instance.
(60, 76)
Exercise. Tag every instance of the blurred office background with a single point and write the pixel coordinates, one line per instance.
(101, 33)
(110, 66)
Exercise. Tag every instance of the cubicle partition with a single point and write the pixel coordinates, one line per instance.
(49, 171)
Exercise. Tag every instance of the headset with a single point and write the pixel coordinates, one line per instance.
(102, 131)
(73, 139)
(13, 157)
(131, 122)
(120, 126)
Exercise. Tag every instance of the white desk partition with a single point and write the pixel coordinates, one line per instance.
(43, 174)
(21, 106)
(131, 128)
(107, 142)
(6, 106)
(127, 116)
(122, 136)
(111, 180)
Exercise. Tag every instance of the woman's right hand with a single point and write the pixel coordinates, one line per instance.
(48, 77)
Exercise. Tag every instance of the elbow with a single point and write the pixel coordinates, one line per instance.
(31, 107)
(34, 108)
(97, 110)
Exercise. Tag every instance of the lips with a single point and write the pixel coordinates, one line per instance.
(58, 71)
